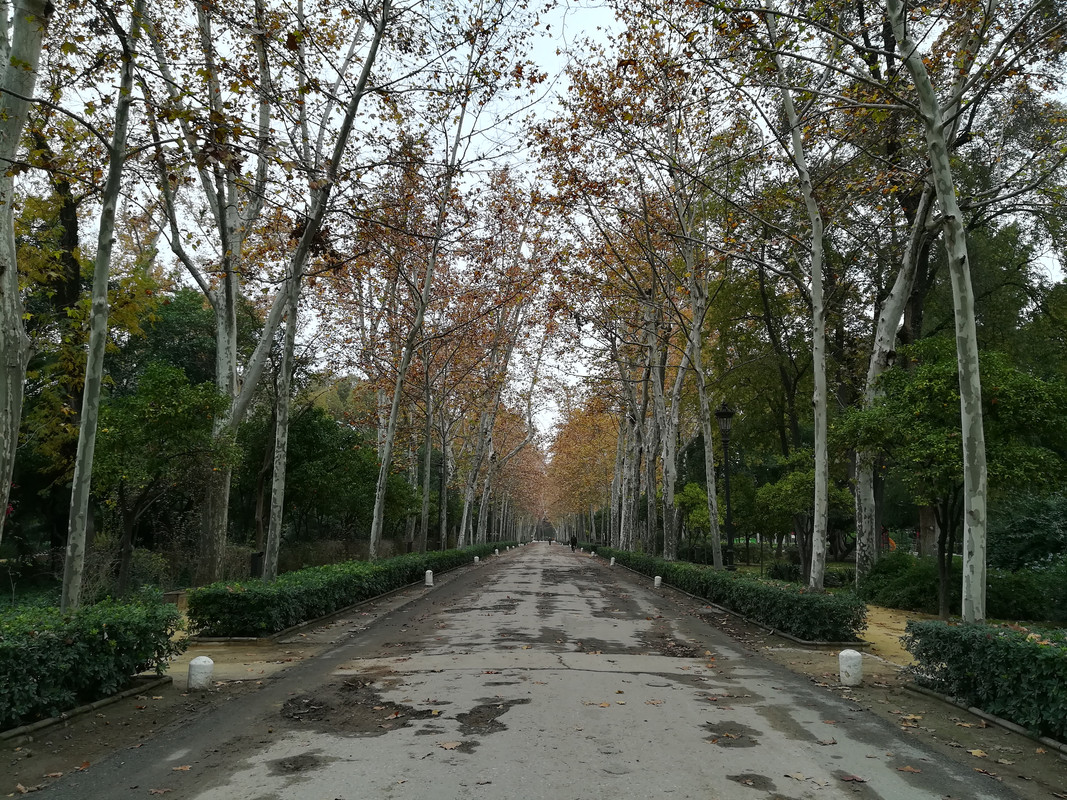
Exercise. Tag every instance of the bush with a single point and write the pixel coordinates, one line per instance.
(784, 571)
(901, 580)
(256, 608)
(51, 661)
(1028, 529)
(800, 612)
(1015, 673)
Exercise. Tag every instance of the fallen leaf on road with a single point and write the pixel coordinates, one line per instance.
(435, 712)
(84, 766)
(653, 702)
(978, 753)
(1040, 751)
(908, 769)
(54, 775)
(912, 717)
(797, 776)
(623, 702)
(853, 779)
(1004, 761)
(829, 721)
(449, 745)
(182, 768)
(605, 705)
(986, 772)
(159, 791)
(825, 742)
(21, 789)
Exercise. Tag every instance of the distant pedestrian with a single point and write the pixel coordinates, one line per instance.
(574, 543)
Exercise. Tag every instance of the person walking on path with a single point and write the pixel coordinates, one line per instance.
(574, 542)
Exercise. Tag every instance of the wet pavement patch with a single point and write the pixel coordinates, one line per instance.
(484, 719)
(299, 763)
(761, 782)
(731, 734)
(350, 708)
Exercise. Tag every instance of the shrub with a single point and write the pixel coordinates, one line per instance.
(1028, 529)
(901, 580)
(256, 608)
(52, 661)
(800, 612)
(1012, 672)
(784, 571)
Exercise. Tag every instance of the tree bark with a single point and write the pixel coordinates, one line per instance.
(818, 314)
(73, 568)
(19, 63)
(281, 440)
(974, 457)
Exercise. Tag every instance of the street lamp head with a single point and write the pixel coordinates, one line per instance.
(724, 414)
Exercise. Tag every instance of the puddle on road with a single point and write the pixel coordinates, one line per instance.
(726, 733)
(298, 763)
(353, 708)
(761, 782)
(484, 719)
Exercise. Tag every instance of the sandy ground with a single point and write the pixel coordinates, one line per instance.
(30, 763)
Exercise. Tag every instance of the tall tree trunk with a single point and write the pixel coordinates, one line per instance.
(974, 457)
(20, 57)
(74, 565)
(281, 441)
(882, 354)
(818, 314)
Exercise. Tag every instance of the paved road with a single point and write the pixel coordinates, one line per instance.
(538, 674)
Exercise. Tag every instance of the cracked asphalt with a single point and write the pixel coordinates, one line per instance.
(540, 673)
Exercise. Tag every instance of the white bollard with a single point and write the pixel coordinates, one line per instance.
(612, 564)
(851, 664)
(200, 671)
(496, 552)
(657, 582)
(592, 552)
(476, 559)
(429, 577)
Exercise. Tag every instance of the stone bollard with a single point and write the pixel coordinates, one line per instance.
(612, 564)
(657, 582)
(476, 559)
(201, 669)
(851, 664)
(496, 552)
(429, 577)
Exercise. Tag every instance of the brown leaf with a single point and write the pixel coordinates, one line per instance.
(182, 768)
(826, 742)
(159, 791)
(908, 769)
(449, 745)
(605, 705)
(978, 753)
(84, 766)
(797, 776)
(54, 775)
(853, 779)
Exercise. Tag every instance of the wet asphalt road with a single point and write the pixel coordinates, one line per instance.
(537, 674)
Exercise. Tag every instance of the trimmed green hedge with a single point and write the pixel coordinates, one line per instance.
(1016, 673)
(256, 608)
(792, 609)
(52, 662)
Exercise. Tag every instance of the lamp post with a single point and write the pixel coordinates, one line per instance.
(724, 414)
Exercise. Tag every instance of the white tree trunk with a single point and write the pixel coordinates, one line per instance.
(281, 441)
(885, 337)
(818, 314)
(74, 563)
(974, 458)
(21, 55)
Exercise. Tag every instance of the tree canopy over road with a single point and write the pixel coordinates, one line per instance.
(285, 283)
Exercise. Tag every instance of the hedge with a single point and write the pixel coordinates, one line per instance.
(1016, 673)
(801, 612)
(52, 661)
(256, 608)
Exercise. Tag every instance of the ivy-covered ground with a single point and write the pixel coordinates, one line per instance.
(1031, 770)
